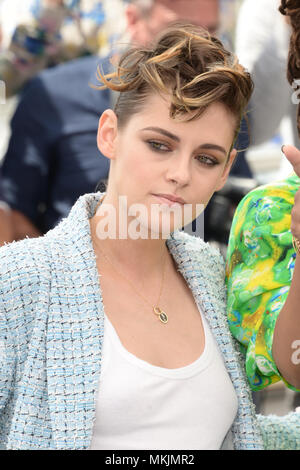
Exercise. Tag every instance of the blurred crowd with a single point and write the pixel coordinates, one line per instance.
(36, 34)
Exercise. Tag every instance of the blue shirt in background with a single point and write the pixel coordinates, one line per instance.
(52, 157)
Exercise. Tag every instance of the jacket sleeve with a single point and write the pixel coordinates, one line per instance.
(24, 280)
(281, 432)
(7, 359)
(259, 268)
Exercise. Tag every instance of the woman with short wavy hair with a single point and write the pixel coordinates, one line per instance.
(113, 325)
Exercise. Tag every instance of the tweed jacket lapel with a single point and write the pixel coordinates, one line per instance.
(76, 319)
(75, 329)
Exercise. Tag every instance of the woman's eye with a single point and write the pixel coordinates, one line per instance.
(206, 160)
(157, 146)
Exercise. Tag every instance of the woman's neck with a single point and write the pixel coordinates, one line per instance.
(144, 258)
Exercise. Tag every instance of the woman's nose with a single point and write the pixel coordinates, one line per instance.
(179, 171)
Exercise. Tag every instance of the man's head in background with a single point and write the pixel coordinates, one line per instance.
(146, 18)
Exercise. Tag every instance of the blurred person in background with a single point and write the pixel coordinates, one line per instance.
(52, 157)
(54, 31)
(262, 44)
(263, 261)
(50, 32)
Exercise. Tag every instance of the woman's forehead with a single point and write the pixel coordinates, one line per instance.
(157, 108)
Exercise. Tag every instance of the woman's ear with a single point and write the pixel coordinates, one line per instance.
(107, 133)
(227, 169)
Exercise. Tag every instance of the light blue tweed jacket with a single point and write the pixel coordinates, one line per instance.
(51, 336)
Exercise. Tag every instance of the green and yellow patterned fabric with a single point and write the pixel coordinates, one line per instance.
(259, 269)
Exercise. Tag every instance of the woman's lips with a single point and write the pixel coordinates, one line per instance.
(167, 201)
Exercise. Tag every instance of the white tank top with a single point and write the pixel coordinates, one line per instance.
(142, 406)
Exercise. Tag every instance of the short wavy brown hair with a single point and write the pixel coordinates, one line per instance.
(186, 63)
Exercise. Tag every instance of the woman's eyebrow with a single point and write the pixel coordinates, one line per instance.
(163, 132)
(205, 146)
(208, 146)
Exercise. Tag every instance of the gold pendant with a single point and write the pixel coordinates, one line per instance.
(161, 315)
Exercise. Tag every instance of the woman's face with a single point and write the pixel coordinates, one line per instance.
(154, 154)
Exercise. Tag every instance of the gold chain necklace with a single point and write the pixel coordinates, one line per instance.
(163, 317)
